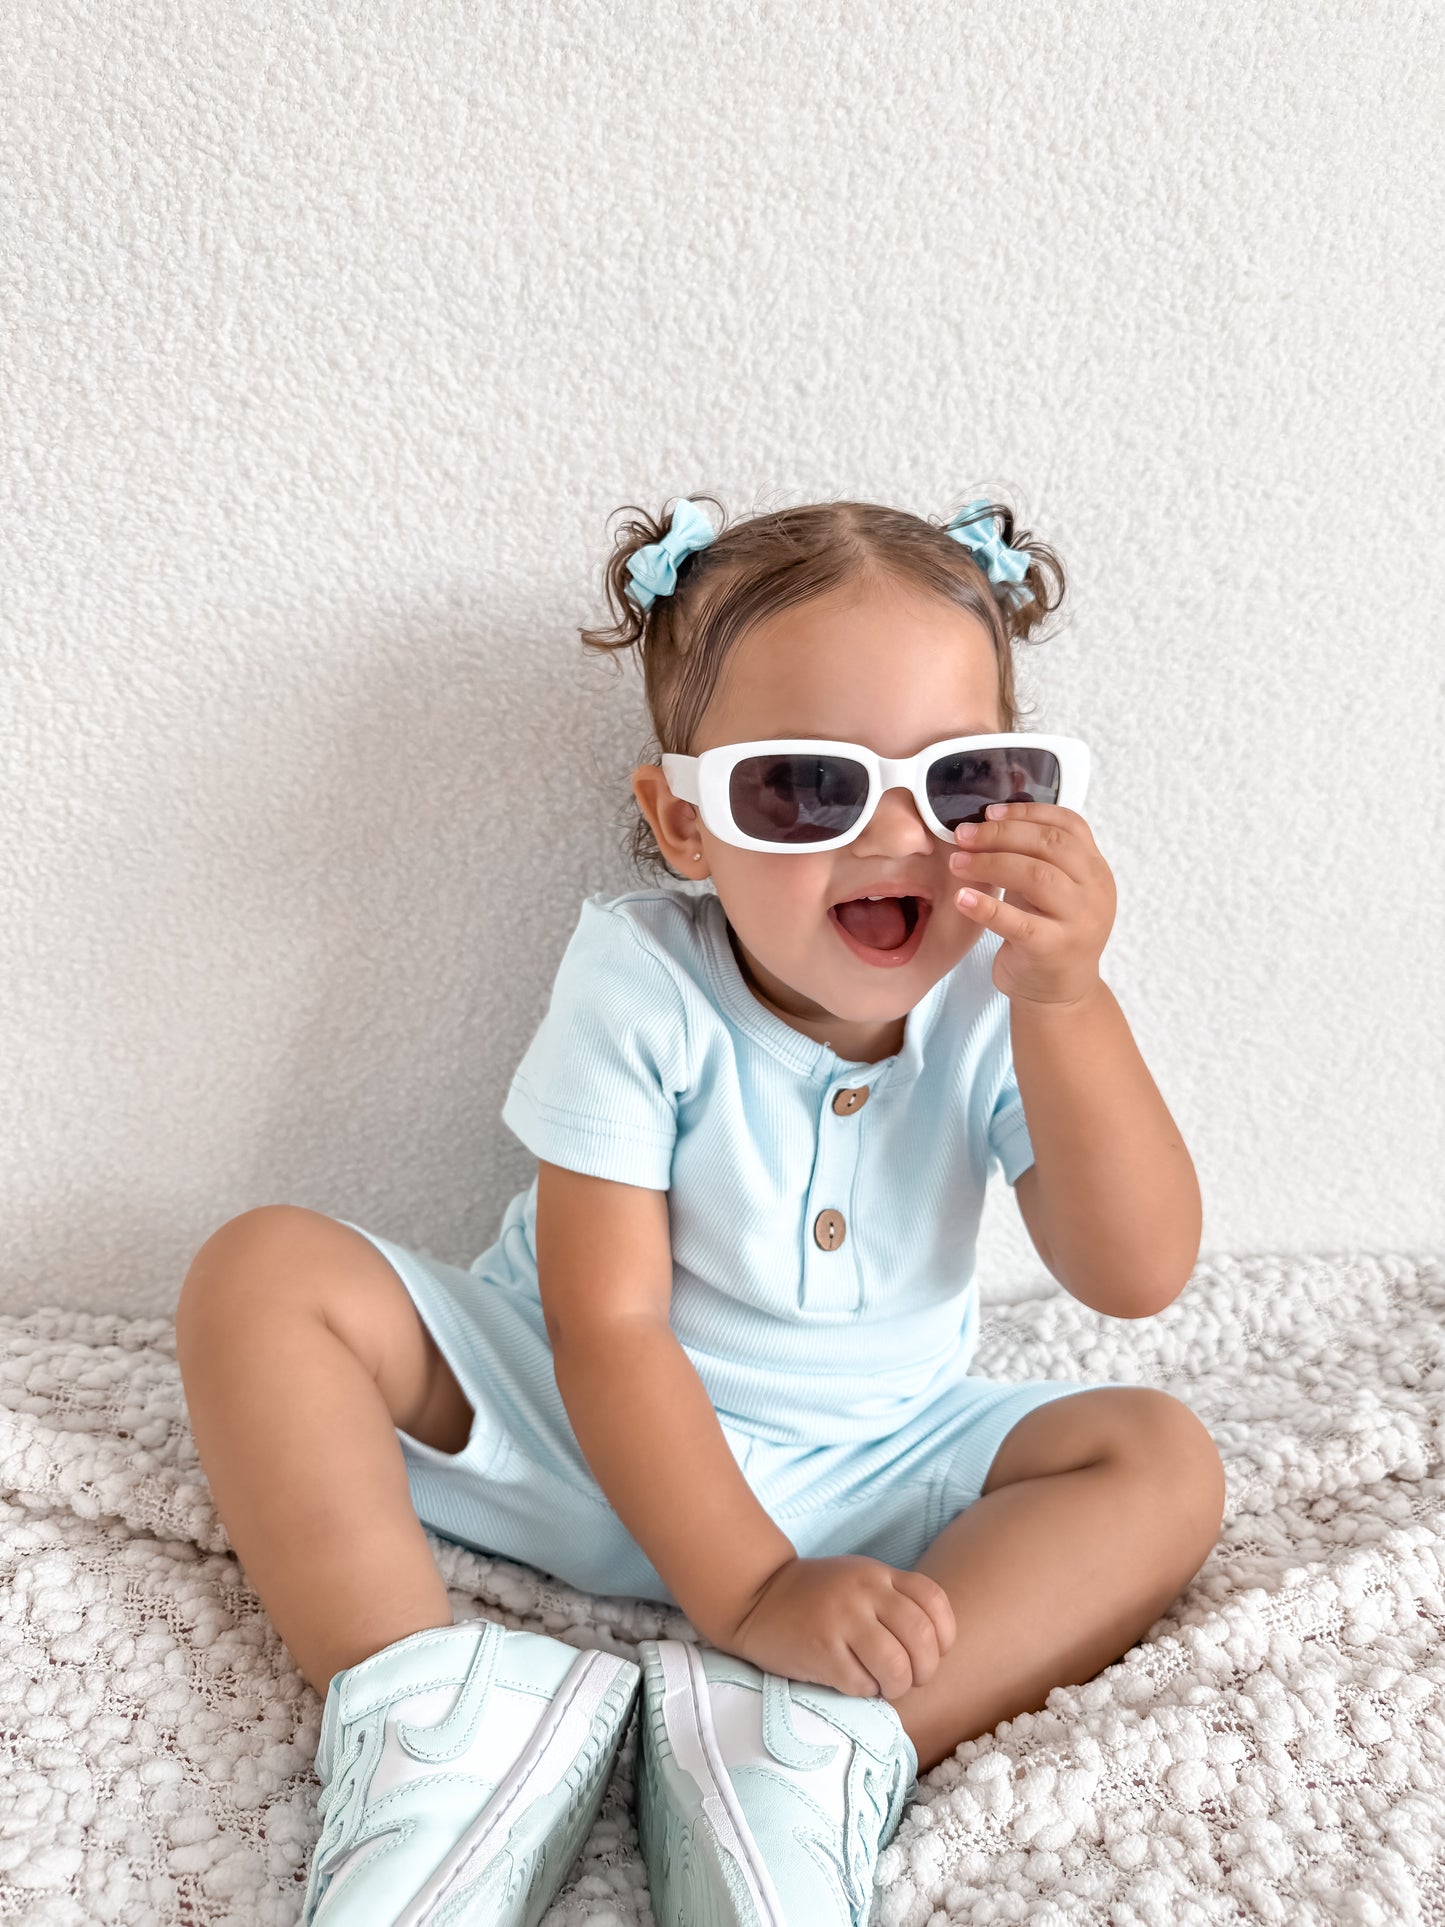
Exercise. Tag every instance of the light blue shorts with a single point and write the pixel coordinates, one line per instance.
(521, 1489)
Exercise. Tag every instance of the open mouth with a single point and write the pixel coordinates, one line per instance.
(882, 930)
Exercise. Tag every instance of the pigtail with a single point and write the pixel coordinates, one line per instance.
(635, 627)
(659, 634)
(1022, 614)
(630, 625)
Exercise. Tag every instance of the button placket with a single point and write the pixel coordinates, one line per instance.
(830, 1278)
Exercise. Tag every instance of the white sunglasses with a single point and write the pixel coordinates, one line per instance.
(804, 794)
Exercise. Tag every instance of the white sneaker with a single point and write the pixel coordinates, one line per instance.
(462, 1770)
(762, 1801)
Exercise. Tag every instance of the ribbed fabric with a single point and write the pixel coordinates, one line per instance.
(655, 1065)
(840, 1378)
(522, 1488)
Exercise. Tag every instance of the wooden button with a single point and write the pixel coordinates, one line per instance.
(828, 1229)
(846, 1102)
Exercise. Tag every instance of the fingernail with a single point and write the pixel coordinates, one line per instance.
(996, 810)
(969, 830)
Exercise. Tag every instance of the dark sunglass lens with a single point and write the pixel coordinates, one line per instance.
(797, 799)
(961, 787)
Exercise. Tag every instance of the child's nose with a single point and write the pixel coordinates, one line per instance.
(896, 826)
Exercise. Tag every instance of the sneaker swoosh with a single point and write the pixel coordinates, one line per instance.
(780, 1736)
(452, 1736)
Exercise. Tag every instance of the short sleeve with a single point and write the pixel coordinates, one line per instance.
(598, 1087)
(1008, 1131)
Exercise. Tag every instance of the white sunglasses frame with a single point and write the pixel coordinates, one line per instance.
(704, 780)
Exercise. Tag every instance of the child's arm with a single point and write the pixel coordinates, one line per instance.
(642, 1417)
(1111, 1200)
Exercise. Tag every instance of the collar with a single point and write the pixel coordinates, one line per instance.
(814, 1060)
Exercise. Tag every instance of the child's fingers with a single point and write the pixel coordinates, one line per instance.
(885, 1657)
(849, 1675)
(914, 1628)
(1045, 884)
(1006, 918)
(1058, 836)
(1052, 816)
(934, 1601)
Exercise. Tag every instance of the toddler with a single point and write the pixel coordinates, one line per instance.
(718, 1354)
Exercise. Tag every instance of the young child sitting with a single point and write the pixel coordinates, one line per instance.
(718, 1354)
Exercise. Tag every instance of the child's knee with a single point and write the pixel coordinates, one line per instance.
(1174, 1449)
(238, 1262)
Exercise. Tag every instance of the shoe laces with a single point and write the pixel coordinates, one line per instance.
(339, 1807)
(872, 1790)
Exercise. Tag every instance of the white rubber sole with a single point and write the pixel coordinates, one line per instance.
(691, 1749)
(569, 1736)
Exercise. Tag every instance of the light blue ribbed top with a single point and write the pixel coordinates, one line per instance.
(655, 1065)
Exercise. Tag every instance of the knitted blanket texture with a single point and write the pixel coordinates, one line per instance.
(1272, 1750)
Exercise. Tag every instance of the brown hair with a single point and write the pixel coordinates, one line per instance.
(781, 557)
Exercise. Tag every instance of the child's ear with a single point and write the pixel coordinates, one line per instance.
(676, 824)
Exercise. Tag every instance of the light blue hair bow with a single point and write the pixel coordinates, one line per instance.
(1002, 563)
(654, 569)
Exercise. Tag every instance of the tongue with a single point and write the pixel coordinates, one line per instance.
(881, 925)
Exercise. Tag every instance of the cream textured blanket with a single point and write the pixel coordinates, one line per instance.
(1274, 1750)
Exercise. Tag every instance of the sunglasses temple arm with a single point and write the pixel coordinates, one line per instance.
(680, 773)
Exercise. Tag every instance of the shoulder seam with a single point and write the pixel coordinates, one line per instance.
(663, 963)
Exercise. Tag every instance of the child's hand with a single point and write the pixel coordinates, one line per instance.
(1061, 898)
(851, 1623)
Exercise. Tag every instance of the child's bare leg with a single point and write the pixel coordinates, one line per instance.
(300, 1352)
(1097, 1512)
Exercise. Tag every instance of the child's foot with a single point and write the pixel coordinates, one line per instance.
(461, 1771)
(762, 1802)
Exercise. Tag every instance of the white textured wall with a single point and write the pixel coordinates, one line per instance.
(331, 337)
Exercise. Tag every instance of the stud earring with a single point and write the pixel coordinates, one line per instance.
(697, 856)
